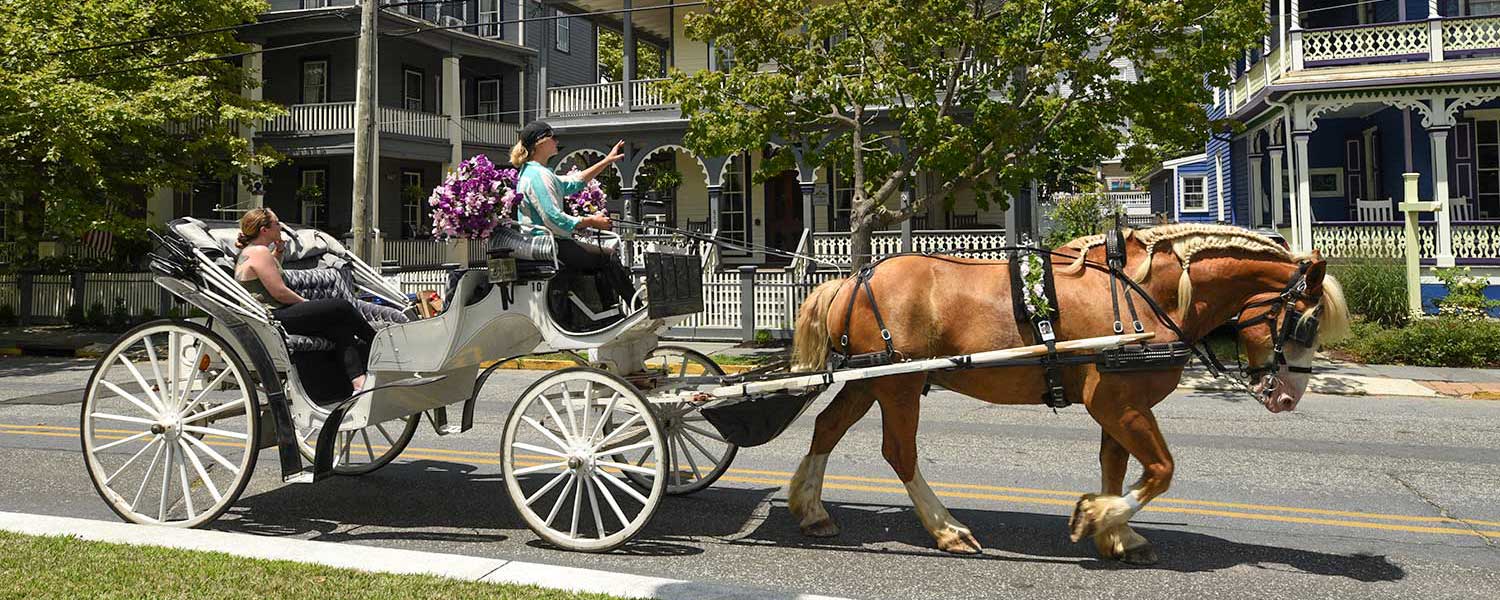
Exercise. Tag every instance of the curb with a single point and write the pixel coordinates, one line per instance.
(1337, 385)
(389, 560)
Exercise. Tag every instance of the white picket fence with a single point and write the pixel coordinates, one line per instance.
(52, 295)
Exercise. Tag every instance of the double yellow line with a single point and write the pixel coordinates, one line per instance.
(1234, 510)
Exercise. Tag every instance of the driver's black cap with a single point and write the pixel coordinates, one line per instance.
(534, 132)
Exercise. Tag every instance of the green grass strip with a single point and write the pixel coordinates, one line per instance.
(67, 567)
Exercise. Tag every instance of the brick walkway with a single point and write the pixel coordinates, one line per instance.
(1480, 390)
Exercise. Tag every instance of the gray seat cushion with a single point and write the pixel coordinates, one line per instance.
(323, 283)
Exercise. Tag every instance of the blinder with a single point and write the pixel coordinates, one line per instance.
(1293, 326)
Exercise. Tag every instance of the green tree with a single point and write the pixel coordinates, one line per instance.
(612, 57)
(87, 134)
(984, 95)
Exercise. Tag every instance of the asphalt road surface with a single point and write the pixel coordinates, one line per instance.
(1348, 497)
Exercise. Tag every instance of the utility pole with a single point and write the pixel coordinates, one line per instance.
(364, 130)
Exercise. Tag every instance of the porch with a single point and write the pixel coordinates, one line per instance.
(337, 118)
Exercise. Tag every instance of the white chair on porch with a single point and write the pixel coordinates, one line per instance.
(1463, 209)
(1373, 210)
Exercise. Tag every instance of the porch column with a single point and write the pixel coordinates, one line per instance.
(245, 197)
(713, 208)
(1302, 204)
(1276, 192)
(521, 26)
(1439, 137)
(453, 110)
(627, 212)
(627, 38)
(1265, 41)
(906, 223)
(1256, 202)
(809, 212)
(1434, 31)
(1296, 36)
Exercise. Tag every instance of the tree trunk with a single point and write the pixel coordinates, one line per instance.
(861, 226)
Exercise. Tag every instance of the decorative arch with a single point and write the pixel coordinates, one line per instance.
(635, 166)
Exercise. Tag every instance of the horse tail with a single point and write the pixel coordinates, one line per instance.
(810, 344)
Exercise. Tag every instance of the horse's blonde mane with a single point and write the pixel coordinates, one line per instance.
(1187, 240)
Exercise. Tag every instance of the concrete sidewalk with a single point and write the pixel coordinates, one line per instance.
(389, 560)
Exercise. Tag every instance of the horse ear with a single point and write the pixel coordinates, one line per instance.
(1315, 271)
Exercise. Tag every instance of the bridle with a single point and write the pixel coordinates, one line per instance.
(1287, 325)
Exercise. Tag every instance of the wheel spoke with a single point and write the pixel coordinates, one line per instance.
(630, 468)
(624, 449)
(218, 458)
(577, 509)
(346, 439)
(567, 399)
(161, 382)
(131, 460)
(187, 492)
(561, 445)
(385, 434)
(166, 484)
(556, 506)
(118, 442)
(604, 417)
(365, 434)
(623, 427)
(199, 398)
(131, 398)
(625, 487)
(610, 499)
(538, 449)
(194, 374)
(213, 490)
(682, 370)
(687, 453)
(218, 432)
(145, 479)
(551, 410)
(539, 468)
(122, 418)
(140, 381)
(705, 433)
(588, 484)
(215, 411)
(550, 484)
(700, 448)
(588, 406)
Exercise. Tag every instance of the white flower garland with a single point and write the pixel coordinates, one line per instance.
(1033, 277)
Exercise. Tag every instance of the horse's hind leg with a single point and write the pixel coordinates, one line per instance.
(805, 499)
(900, 407)
(1119, 542)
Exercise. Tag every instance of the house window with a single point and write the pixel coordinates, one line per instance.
(563, 32)
(489, 18)
(1487, 167)
(412, 195)
(312, 198)
(734, 200)
(316, 3)
(314, 81)
(1194, 199)
(842, 198)
(723, 57)
(1477, 8)
(489, 99)
(411, 89)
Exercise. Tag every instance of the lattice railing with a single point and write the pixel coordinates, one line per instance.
(834, 246)
(586, 99)
(1476, 33)
(1471, 240)
(1365, 41)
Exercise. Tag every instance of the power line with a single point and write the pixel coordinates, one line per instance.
(207, 58)
(341, 14)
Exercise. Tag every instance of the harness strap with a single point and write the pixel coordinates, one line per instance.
(847, 356)
(1042, 328)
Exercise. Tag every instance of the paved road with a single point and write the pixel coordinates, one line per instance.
(1345, 498)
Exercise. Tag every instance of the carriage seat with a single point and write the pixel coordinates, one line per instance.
(334, 282)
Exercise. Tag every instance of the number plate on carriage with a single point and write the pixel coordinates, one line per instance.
(502, 270)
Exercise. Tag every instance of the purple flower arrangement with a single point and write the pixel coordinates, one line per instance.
(473, 200)
(588, 202)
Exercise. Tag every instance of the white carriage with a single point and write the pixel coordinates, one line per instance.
(177, 410)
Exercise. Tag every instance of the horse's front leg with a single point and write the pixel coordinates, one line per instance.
(900, 407)
(1119, 542)
(1134, 428)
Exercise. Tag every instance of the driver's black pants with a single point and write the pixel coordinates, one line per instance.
(338, 321)
(611, 277)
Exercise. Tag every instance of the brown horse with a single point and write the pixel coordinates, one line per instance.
(1202, 275)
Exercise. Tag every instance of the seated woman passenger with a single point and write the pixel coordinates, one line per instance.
(543, 192)
(259, 270)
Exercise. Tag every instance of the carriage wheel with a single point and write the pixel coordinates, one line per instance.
(362, 451)
(699, 456)
(558, 459)
(170, 425)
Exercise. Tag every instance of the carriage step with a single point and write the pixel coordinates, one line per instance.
(305, 476)
(438, 417)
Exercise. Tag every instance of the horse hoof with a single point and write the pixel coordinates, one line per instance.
(958, 541)
(1143, 554)
(824, 528)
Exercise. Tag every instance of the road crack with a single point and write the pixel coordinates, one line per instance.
(1443, 512)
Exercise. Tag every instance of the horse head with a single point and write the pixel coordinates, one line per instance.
(1282, 327)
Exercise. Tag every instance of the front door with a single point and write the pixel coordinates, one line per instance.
(1487, 167)
(783, 213)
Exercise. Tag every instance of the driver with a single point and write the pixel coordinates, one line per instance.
(542, 205)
